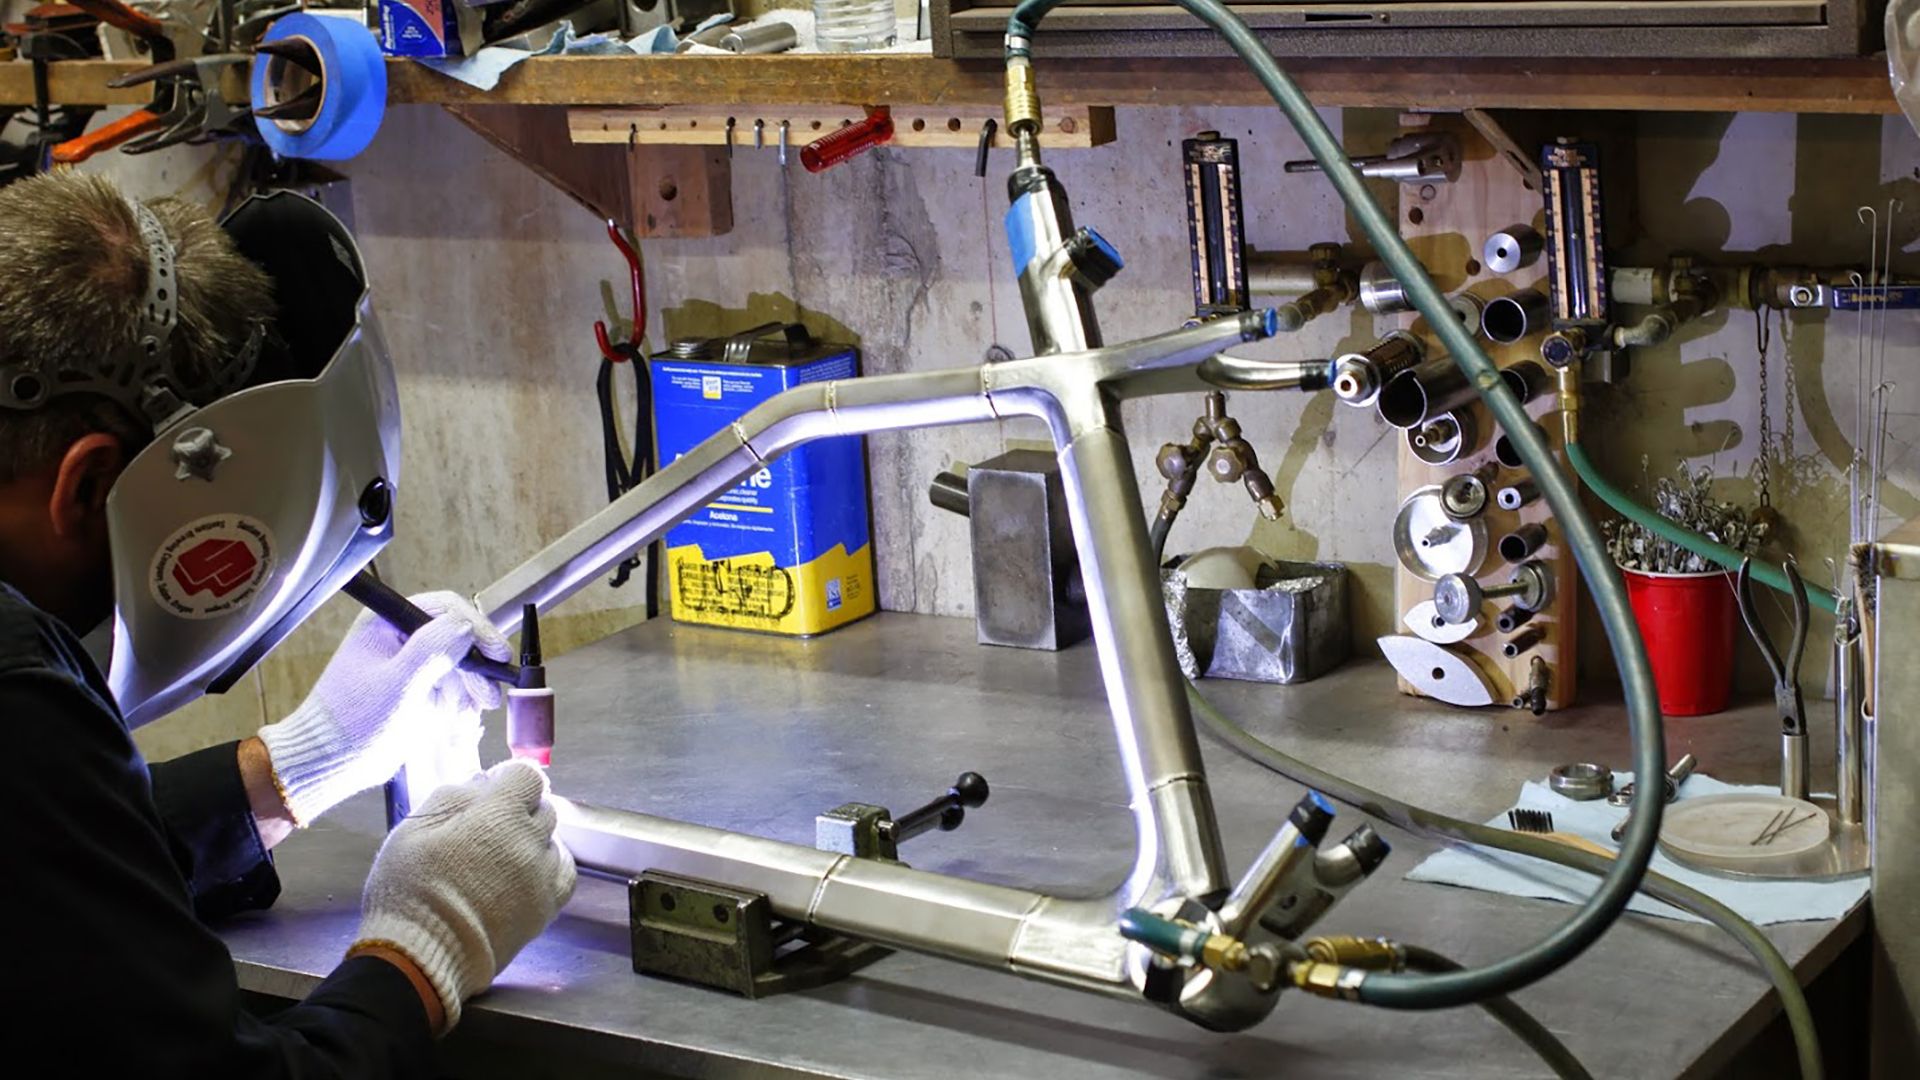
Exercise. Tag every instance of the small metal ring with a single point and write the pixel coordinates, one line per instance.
(1581, 781)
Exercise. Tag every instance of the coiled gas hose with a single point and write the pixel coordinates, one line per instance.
(1622, 877)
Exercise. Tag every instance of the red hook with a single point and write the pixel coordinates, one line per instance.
(631, 348)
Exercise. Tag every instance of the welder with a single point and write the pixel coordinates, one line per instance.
(198, 445)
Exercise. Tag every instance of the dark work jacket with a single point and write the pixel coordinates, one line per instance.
(111, 871)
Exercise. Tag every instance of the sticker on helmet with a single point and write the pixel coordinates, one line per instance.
(211, 567)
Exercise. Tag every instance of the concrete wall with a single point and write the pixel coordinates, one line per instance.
(489, 282)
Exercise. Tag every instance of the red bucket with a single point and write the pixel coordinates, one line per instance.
(1689, 622)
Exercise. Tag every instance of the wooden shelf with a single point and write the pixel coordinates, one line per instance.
(1808, 86)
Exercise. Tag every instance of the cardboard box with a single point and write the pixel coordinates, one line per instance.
(788, 550)
(428, 28)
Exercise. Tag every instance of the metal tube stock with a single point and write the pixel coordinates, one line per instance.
(1527, 379)
(1793, 765)
(1415, 396)
(1520, 544)
(948, 491)
(1849, 747)
(1507, 319)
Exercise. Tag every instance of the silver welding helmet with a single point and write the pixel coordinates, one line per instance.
(257, 499)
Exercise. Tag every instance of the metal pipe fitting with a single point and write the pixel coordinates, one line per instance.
(1527, 380)
(1470, 308)
(1515, 316)
(1511, 619)
(1524, 640)
(1416, 395)
(1505, 452)
(1520, 544)
(1380, 291)
(1512, 248)
(948, 491)
(1358, 377)
(1444, 440)
(1465, 496)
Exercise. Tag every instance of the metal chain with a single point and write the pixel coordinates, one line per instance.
(1763, 337)
(1790, 393)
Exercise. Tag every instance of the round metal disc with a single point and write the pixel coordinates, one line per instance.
(1424, 619)
(1431, 544)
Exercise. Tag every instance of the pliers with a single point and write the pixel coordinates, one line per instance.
(1787, 700)
(140, 121)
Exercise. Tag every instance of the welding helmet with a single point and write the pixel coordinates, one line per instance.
(255, 501)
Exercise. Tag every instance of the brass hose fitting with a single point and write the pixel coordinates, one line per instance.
(1023, 97)
(1374, 954)
(1326, 980)
(1570, 404)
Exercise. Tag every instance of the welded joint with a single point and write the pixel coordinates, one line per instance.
(740, 433)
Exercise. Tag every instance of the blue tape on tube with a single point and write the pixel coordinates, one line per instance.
(355, 95)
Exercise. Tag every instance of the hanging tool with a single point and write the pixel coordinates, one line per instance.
(987, 131)
(1787, 700)
(1426, 158)
(162, 112)
(625, 471)
(835, 147)
(47, 34)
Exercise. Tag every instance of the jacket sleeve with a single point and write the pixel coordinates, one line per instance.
(106, 958)
(211, 832)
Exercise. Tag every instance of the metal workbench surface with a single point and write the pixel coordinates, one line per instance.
(759, 734)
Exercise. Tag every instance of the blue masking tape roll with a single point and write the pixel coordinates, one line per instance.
(353, 77)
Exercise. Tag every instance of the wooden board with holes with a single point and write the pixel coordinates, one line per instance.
(1446, 226)
(913, 125)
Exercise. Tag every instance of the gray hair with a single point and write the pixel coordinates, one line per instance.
(73, 278)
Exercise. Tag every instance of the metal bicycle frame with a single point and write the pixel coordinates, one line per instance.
(1074, 942)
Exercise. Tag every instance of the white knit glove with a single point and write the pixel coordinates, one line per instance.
(466, 881)
(382, 698)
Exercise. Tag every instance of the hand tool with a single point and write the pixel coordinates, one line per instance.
(1675, 776)
(1425, 158)
(835, 147)
(1581, 781)
(1787, 700)
(164, 109)
(987, 131)
(624, 471)
(784, 125)
(1540, 823)
(387, 602)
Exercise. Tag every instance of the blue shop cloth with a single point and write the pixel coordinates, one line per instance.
(1761, 902)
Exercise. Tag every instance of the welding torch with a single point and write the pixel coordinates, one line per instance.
(530, 702)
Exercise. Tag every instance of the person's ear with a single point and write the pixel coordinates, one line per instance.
(80, 487)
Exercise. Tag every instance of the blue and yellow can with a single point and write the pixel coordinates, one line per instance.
(788, 550)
